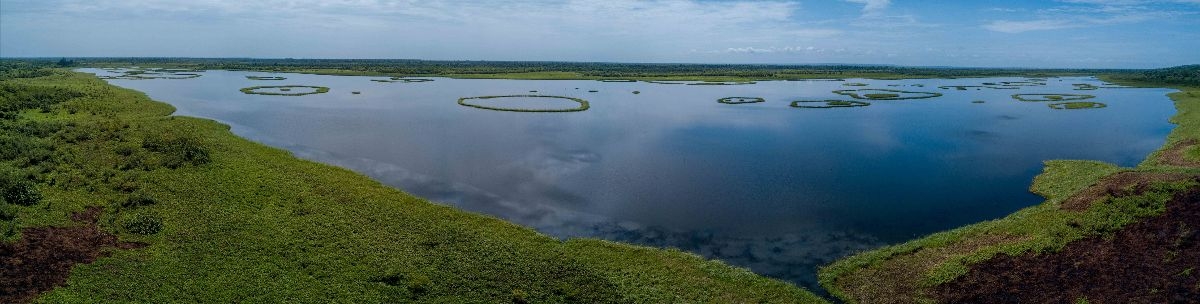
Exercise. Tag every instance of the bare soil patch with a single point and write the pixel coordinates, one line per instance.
(1174, 155)
(43, 257)
(1153, 261)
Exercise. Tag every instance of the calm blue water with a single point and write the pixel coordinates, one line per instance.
(761, 185)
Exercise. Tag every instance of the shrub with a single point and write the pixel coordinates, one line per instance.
(178, 151)
(144, 224)
(16, 189)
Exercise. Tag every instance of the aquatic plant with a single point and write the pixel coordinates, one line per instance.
(266, 77)
(583, 104)
(285, 88)
(1085, 87)
(1077, 105)
(722, 83)
(859, 84)
(886, 94)
(740, 100)
(978, 101)
(828, 104)
(1021, 83)
(1051, 97)
(617, 80)
(965, 87)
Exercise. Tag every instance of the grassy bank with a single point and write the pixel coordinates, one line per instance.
(228, 220)
(1083, 199)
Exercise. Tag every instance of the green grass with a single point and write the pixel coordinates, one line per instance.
(1077, 105)
(906, 272)
(230, 220)
(285, 88)
(583, 104)
(827, 104)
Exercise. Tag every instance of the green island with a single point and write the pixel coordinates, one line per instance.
(285, 88)
(582, 104)
(740, 100)
(1085, 87)
(828, 104)
(886, 94)
(1077, 105)
(266, 77)
(1051, 97)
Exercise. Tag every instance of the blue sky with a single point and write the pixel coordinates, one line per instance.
(1062, 33)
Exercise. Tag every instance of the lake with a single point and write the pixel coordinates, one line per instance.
(762, 185)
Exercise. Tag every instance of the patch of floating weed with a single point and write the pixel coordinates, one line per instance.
(637, 92)
(740, 100)
(402, 80)
(617, 80)
(583, 104)
(1021, 83)
(356, 92)
(665, 82)
(886, 94)
(978, 101)
(722, 83)
(854, 84)
(1077, 105)
(828, 104)
(966, 87)
(266, 78)
(1051, 97)
(285, 88)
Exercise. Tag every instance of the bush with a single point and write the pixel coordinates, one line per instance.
(144, 224)
(178, 151)
(18, 190)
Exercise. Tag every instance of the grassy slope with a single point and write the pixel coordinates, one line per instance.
(903, 273)
(256, 224)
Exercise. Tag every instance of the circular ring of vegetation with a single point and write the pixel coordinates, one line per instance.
(830, 103)
(887, 94)
(740, 100)
(583, 104)
(1051, 97)
(285, 88)
(1077, 105)
(266, 77)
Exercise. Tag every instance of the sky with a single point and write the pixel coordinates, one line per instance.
(1051, 33)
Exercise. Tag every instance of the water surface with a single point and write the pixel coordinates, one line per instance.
(760, 185)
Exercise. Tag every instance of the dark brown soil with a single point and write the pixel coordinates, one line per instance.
(1153, 261)
(1120, 184)
(1174, 155)
(43, 257)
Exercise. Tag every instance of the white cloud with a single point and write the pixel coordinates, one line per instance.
(1005, 26)
(872, 7)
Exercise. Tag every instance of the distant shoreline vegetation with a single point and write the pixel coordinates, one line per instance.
(285, 88)
(583, 104)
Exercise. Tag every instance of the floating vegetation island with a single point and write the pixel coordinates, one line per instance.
(722, 83)
(466, 101)
(740, 100)
(1084, 86)
(886, 94)
(828, 104)
(617, 80)
(143, 74)
(402, 80)
(1051, 97)
(854, 84)
(285, 90)
(666, 82)
(266, 77)
(1021, 83)
(985, 86)
(1077, 105)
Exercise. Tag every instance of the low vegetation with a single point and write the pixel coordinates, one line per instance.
(1076, 105)
(266, 77)
(285, 90)
(217, 218)
(740, 100)
(827, 104)
(467, 101)
(886, 94)
(1051, 97)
